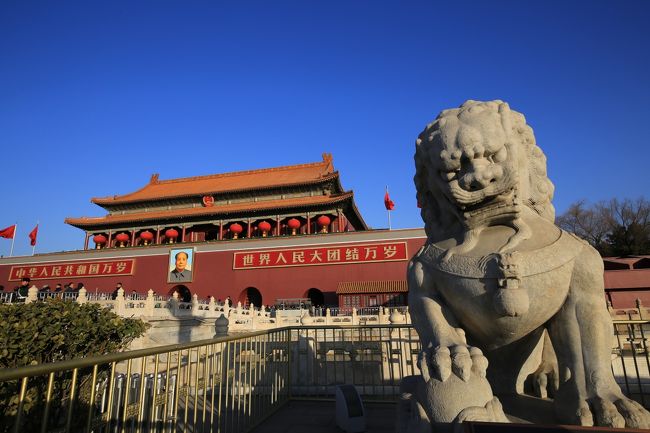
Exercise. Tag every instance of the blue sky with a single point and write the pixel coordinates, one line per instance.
(97, 96)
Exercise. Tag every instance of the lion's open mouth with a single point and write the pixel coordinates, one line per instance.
(493, 196)
(493, 204)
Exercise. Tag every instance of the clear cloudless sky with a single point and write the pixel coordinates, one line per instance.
(97, 96)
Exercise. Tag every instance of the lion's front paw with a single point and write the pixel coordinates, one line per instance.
(454, 379)
(633, 413)
(441, 362)
(611, 411)
(619, 413)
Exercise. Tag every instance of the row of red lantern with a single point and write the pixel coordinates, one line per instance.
(293, 224)
(146, 236)
(172, 234)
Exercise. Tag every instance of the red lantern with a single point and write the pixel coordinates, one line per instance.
(294, 225)
(323, 221)
(236, 229)
(146, 237)
(99, 240)
(171, 234)
(122, 238)
(265, 227)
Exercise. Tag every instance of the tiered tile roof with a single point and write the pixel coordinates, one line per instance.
(269, 190)
(266, 178)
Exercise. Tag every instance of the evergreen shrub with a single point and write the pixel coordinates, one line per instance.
(52, 331)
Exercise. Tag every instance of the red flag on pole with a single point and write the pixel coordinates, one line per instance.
(32, 236)
(9, 232)
(388, 202)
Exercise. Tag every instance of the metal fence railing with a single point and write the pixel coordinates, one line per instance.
(222, 385)
(7, 297)
(232, 384)
(631, 359)
(373, 358)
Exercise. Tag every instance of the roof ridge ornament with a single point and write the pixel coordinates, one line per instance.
(154, 178)
(327, 158)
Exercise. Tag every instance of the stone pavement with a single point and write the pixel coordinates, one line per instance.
(320, 417)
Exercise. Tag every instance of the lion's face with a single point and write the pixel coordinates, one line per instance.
(476, 165)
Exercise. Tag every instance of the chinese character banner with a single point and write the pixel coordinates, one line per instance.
(85, 269)
(334, 255)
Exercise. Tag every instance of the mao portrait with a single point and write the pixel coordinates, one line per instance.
(180, 265)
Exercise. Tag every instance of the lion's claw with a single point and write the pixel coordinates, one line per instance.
(461, 362)
(583, 415)
(441, 363)
(479, 362)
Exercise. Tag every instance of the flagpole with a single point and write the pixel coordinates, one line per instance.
(388, 210)
(34, 246)
(11, 253)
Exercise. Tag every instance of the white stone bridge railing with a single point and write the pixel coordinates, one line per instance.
(239, 319)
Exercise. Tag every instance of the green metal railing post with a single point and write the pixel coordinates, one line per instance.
(288, 363)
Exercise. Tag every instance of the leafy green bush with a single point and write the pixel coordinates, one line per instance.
(52, 331)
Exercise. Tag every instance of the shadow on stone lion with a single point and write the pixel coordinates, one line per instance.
(496, 272)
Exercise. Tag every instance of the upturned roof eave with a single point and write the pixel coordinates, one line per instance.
(355, 210)
(99, 222)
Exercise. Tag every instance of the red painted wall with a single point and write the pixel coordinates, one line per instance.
(214, 274)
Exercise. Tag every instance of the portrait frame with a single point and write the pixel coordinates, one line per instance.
(190, 268)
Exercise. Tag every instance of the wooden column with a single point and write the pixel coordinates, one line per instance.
(133, 237)
(86, 241)
(308, 223)
(183, 235)
(277, 225)
(110, 236)
(248, 231)
(339, 215)
(220, 230)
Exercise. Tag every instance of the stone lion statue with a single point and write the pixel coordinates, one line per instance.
(495, 272)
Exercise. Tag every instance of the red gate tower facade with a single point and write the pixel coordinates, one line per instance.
(259, 236)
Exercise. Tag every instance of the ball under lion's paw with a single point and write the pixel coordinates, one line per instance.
(454, 380)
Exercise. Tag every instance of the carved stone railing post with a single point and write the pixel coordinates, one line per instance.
(226, 306)
(355, 317)
(211, 306)
(328, 317)
(195, 303)
(149, 304)
(639, 307)
(32, 295)
(119, 302)
(383, 316)
(82, 298)
(251, 315)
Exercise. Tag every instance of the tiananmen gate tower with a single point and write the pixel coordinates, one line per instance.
(257, 236)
